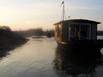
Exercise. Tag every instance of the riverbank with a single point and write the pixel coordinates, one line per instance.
(9, 40)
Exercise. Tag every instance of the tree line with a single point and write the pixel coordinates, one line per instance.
(36, 32)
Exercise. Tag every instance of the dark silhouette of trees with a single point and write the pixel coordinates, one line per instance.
(9, 40)
(5, 28)
(36, 32)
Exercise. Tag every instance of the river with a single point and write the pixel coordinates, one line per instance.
(35, 59)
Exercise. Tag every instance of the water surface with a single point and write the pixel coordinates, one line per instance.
(35, 59)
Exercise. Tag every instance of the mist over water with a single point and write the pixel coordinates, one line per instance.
(41, 57)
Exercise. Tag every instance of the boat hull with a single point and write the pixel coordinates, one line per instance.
(87, 48)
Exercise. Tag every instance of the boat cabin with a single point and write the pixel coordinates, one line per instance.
(76, 29)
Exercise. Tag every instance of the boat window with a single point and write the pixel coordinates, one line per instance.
(57, 30)
(85, 32)
(60, 29)
(80, 31)
(74, 29)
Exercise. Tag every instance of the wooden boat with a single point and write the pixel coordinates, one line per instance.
(79, 35)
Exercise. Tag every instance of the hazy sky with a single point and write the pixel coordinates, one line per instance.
(25, 14)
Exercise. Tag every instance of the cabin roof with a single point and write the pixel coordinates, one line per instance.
(78, 21)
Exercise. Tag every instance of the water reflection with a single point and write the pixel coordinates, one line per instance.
(74, 62)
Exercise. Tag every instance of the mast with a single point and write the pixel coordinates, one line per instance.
(63, 10)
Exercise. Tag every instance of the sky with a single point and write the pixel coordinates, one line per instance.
(26, 14)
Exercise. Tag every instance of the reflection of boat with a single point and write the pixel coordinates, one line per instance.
(74, 63)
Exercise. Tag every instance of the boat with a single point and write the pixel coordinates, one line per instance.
(78, 35)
